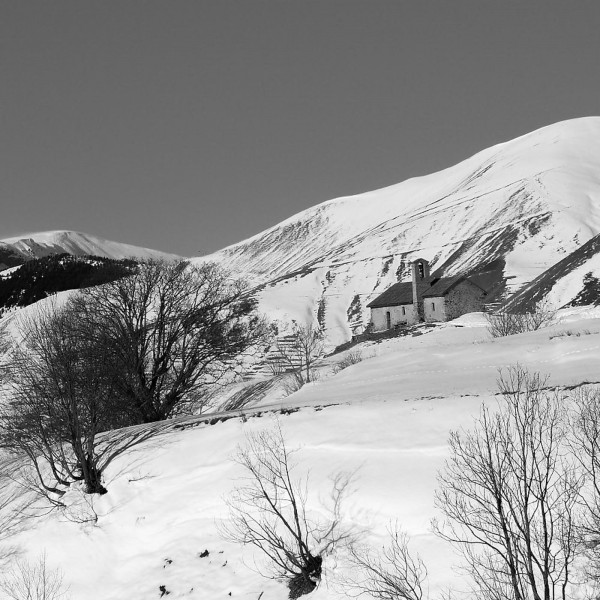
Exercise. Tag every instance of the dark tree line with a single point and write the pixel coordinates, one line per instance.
(41, 277)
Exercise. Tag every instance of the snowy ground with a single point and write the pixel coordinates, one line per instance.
(388, 417)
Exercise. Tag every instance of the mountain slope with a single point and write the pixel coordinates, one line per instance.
(37, 245)
(159, 527)
(525, 204)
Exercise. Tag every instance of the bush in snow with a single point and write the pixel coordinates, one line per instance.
(352, 358)
(297, 354)
(509, 323)
(33, 581)
(268, 511)
(387, 574)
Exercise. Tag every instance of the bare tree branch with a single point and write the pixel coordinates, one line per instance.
(297, 354)
(510, 494)
(392, 573)
(268, 511)
(174, 331)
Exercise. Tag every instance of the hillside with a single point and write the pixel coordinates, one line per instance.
(521, 206)
(165, 500)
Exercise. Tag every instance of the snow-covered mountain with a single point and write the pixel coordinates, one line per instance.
(521, 206)
(528, 209)
(37, 245)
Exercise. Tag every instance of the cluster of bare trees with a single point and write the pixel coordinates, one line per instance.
(511, 494)
(298, 355)
(506, 323)
(585, 442)
(139, 349)
(519, 495)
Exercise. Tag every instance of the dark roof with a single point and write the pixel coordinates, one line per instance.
(441, 286)
(401, 293)
(398, 294)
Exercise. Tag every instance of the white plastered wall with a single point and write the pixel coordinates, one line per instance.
(379, 316)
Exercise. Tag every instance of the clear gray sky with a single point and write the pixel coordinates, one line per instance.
(189, 125)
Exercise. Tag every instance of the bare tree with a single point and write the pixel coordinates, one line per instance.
(33, 581)
(392, 573)
(510, 492)
(60, 398)
(585, 436)
(297, 354)
(174, 330)
(269, 512)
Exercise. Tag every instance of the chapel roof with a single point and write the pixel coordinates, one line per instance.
(402, 293)
(396, 295)
(441, 286)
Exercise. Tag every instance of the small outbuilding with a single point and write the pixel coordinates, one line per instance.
(425, 298)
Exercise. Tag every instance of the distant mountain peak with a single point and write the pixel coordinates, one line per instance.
(43, 243)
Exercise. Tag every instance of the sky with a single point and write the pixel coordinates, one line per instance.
(186, 126)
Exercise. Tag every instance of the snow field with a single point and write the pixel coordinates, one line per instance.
(387, 419)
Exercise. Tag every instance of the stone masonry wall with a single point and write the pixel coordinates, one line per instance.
(464, 298)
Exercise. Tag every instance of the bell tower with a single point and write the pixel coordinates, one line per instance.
(420, 283)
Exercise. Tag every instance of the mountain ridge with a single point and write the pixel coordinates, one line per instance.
(525, 203)
(44, 243)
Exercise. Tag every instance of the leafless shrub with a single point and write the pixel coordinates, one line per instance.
(544, 315)
(509, 323)
(269, 512)
(297, 356)
(291, 385)
(570, 333)
(392, 573)
(510, 494)
(503, 324)
(351, 358)
(291, 382)
(33, 581)
(15, 506)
